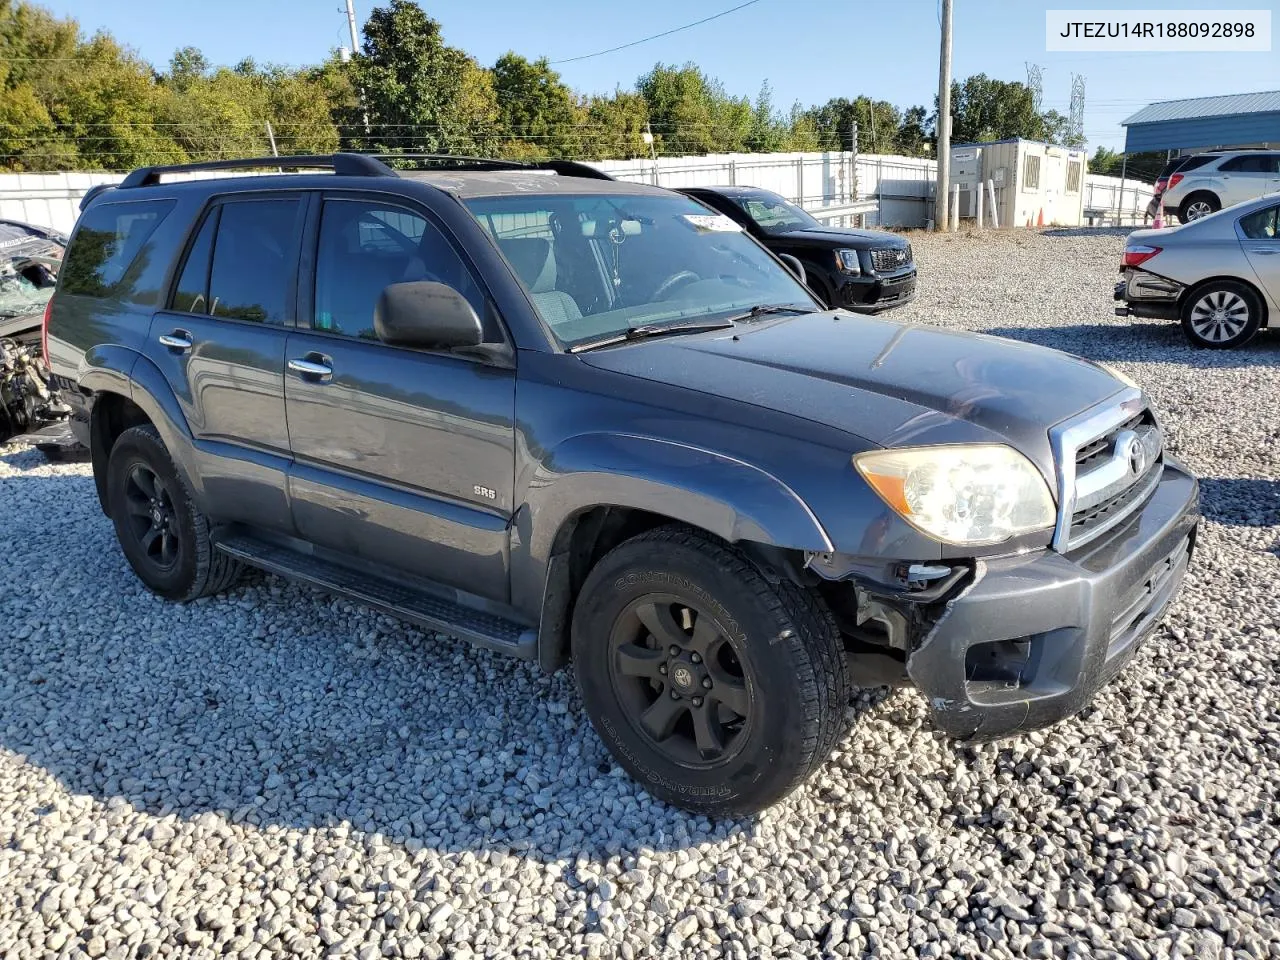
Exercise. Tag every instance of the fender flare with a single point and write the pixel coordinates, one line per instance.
(140, 381)
(715, 492)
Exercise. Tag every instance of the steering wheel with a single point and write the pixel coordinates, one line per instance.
(675, 280)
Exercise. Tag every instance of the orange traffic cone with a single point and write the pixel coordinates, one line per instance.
(1158, 222)
(1040, 219)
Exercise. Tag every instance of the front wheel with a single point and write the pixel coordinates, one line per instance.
(715, 688)
(1221, 315)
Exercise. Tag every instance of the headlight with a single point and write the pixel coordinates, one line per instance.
(966, 494)
(847, 261)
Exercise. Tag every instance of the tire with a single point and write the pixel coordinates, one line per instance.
(163, 536)
(1198, 205)
(773, 653)
(1221, 315)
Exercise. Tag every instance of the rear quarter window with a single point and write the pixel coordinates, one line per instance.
(106, 257)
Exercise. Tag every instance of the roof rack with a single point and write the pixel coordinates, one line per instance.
(362, 165)
(444, 161)
(342, 164)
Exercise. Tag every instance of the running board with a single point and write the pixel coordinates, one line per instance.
(415, 605)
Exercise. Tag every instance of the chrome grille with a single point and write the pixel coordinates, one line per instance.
(1110, 460)
(891, 258)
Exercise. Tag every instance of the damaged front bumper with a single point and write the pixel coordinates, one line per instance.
(1033, 638)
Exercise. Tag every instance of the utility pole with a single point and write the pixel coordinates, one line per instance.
(941, 218)
(351, 24)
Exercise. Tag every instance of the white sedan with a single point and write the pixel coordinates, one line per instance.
(1219, 275)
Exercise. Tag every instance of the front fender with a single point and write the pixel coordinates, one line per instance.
(725, 496)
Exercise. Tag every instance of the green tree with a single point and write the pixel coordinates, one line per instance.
(1104, 161)
(615, 127)
(692, 113)
(915, 139)
(535, 107)
(983, 109)
(71, 103)
(417, 92)
(877, 120)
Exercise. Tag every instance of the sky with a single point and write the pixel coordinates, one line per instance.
(808, 50)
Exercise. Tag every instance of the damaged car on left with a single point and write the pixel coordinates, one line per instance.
(29, 260)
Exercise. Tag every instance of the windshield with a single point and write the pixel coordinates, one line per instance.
(775, 215)
(600, 265)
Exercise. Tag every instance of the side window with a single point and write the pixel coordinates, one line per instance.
(1031, 173)
(365, 246)
(1073, 177)
(1249, 163)
(192, 294)
(252, 273)
(103, 260)
(1261, 224)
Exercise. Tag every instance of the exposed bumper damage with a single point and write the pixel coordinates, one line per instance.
(1021, 642)
(29, 261)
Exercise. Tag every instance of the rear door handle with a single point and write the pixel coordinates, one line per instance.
(312, 367)
(179, 340)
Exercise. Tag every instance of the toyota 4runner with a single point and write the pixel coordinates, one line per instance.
(565, 417)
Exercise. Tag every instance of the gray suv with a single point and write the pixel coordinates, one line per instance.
(569, 418)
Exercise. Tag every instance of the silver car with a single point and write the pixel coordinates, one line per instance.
(1219, 275)
(1208, 182)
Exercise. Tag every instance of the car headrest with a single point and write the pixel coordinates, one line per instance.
(532, 260)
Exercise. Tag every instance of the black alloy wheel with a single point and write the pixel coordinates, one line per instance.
(151, 517)
(680, 680)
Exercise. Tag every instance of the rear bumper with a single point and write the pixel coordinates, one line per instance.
(875, 293)
(1147, 295)
(1035, 637)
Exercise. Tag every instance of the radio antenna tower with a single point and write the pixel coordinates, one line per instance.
(1075, 123)
(1035, 84)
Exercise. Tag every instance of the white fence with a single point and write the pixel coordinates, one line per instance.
(1105, 197)
(902, 188)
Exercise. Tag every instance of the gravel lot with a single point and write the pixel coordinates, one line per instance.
(279, 773)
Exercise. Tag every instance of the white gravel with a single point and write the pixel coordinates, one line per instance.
(279, 773)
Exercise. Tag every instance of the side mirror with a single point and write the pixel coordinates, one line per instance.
(423, 313)
(795, 266)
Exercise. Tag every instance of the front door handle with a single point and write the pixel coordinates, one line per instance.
(317, 370)
(179, 340)
(1265, 253)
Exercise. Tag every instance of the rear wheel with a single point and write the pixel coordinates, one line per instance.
(716, 689)
(1221, 315)
(163, 536)
(1198, 205)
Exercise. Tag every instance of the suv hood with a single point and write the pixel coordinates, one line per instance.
(887, 382)
(856, 239)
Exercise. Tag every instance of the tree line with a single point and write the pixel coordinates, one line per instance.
(71, 102)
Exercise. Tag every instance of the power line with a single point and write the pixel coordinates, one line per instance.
(656, 36)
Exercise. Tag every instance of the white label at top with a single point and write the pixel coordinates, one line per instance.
(1130, 31)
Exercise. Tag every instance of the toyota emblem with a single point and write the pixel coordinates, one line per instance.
(1137, 455)
(682, 676)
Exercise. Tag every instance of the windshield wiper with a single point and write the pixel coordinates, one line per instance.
(651, 330)
(766, 309)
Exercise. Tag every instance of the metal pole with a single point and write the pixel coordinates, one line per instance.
(944, 118)
(995, 211)
(978, 206)
(351, 25)
(1124, 167)
(955, 207)
(271, 135)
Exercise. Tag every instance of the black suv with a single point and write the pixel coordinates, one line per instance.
(562, 416)
(863, 270)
